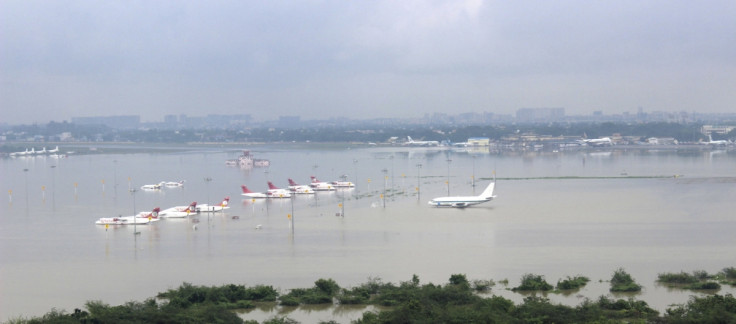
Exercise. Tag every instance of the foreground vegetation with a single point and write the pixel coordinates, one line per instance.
(408, 302)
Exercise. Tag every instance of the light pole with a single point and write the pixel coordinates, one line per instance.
(115, 177)
(448, 176)
(25, 172)
(419, 168)
(355, 173)
(135, 231)
(291, 216)
(473, 171)
(385, 176)
(208, 180)
(53, 187)
(392, 172)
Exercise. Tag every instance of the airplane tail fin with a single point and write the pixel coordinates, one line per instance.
(226, 201)
(292, 183)
(271, 186)
(710, 138)
(409, 138)
(314, 179)
(245, 189)
(192, 206)
(488, 192)
(154, 212)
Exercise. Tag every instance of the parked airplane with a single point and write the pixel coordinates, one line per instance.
(173, 183)
(251, 194)
(321, 186)
(412, 142)
(716, 143)
(179, 211)
(276, 192)
(214, 208)
(151, 187)
(299, 189)
(56, 150)
(605, 141)
(141, 218)
(343, 184)
(465, 201)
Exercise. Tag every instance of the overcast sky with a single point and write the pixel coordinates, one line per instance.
(362, 59)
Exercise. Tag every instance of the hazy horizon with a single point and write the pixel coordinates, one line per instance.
(361, 60)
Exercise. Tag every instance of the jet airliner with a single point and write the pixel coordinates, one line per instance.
(465, 201)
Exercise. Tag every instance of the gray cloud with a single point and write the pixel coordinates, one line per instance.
(60, 59)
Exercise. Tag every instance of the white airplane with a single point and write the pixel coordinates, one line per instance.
(215, 208)
(251, 194)
(174, 183)
(56, 150)
(343, 184)
(151, 187)
(321, 186)
(412, 142)
(179, 211)
(605, 141)
(140, 219)
(20, 153)
(276, 192)
(465, 201)
(716, 143)
(299, 189)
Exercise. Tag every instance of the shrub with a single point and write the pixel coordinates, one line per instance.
(289, 300)
(709, 285)
(622, 282)
(483, 285)
(457, 279)
(572, 283)
(730, 272)
(327, 286)
(531, 282)
(677, 278)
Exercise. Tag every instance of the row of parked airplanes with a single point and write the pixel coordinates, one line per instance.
(156, 214)
(295, 188)
(143, 218)
(275, 192)
(34, 152)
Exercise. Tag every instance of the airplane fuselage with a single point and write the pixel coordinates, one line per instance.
(457, 202)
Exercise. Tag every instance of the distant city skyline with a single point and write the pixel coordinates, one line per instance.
(362, 60)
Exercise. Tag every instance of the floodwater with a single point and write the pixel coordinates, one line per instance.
(557, 214)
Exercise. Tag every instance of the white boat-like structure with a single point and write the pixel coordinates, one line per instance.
(205, 208)
(179, 211)
(143, 218)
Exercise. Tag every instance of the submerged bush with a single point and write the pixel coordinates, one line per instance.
(677, 278)
(483, 285)
(572, 283)
(531, 282)
(729, 273)
(621, 281)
